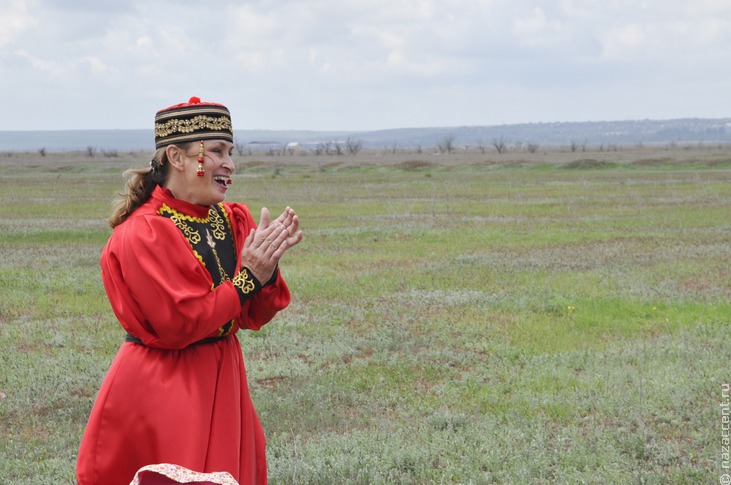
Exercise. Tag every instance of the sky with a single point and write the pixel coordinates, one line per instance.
(363, 65)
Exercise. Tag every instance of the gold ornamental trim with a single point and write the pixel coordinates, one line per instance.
(218, 223)
(166, 209)
(186, 126)
(244, 282)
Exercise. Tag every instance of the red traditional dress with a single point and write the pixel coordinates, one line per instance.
(176, 391)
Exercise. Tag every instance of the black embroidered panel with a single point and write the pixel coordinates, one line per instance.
(212, 242)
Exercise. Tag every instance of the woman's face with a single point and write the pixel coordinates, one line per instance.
(218, 167)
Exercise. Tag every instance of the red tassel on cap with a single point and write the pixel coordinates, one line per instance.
(201, 172)
(195, 100)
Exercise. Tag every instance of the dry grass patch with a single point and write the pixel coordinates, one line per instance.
(415, 165)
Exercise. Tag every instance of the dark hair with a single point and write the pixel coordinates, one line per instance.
(140, 184)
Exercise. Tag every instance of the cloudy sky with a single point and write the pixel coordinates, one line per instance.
(363, 64)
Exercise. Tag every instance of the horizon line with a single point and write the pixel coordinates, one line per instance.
(426, 127)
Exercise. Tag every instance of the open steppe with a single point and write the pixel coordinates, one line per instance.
(551, 317)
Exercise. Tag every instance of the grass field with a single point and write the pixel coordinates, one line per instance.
(554, 317)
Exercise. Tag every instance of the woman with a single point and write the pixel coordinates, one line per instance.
(184, 271)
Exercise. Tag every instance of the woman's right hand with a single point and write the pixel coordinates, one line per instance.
(266, 245)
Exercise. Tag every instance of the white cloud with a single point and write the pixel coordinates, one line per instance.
(368, 63)
(14, 20)
(53, 70)
(536, 31)
(98, 67)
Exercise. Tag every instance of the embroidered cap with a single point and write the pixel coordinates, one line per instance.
(192, 121)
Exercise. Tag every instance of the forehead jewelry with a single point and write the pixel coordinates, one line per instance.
(200, 170)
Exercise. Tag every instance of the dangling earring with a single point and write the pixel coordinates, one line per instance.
(200, 171)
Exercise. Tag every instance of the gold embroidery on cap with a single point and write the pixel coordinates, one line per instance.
(189, 126)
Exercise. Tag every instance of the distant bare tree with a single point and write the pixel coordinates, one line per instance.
(447, 144)
(276, 150)
(482, 146)
(532, 147)
(575, 145)
(240, 147)
(324, 148)
(353, 145)
(42, 151)
(500, 144)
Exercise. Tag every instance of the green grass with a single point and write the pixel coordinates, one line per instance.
(471, 321)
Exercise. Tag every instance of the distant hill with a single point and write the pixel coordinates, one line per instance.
(558, 134)
(688, 130)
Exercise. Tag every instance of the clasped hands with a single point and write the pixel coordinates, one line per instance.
(265, 245)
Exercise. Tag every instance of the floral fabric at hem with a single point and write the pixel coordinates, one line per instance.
(167, 473)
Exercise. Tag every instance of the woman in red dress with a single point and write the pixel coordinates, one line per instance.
(184, 271)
